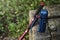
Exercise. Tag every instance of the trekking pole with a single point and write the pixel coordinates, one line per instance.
(33, 22)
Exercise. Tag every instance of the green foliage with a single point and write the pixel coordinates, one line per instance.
(14, 14)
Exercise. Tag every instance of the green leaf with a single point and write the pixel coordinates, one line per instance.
(12, 27)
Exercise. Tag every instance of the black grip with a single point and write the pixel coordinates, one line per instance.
(38, 10)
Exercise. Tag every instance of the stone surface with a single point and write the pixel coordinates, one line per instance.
(53, 11)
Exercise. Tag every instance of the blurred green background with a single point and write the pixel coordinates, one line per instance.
(14, 15)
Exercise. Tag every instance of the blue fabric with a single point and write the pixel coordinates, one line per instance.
(43, 20)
